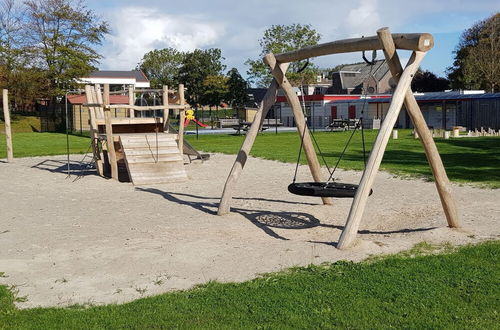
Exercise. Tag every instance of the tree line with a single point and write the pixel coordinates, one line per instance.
(201, 72)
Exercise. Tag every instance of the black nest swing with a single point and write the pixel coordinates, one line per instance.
(321, 189)
(330, 188)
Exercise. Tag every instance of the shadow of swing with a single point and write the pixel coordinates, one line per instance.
(263, 219)
(78, 168)
(268, 220)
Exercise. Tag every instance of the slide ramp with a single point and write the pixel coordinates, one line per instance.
(152, 158)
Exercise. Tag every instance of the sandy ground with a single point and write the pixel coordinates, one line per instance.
(89, 240)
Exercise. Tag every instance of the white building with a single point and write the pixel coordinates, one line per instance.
(135, 78)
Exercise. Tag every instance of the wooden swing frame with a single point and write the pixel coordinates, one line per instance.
(419, 43)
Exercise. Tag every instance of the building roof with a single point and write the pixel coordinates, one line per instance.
(255, 96)
(113, 99)
(134, 77)
(353, 75)
(436, 97)
(135, 74)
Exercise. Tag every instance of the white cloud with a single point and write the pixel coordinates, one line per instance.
(137, 30)
(363, 18)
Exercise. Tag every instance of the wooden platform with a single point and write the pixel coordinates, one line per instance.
(152, 158)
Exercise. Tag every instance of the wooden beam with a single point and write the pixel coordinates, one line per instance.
(8, 131)
(293, 100)
(145, 107)
(131, 100)
(182, 116)
(422, 42)
(109, 134)
(359, 203)
(166, 111)
(241, 159)
(431, 151)
(94, 133)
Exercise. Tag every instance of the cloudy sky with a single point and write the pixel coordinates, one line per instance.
(236, 26)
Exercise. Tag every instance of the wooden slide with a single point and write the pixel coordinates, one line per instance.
(152, 158)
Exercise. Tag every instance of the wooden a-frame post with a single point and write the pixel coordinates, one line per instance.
(431, 151)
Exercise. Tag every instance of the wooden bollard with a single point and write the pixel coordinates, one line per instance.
(8, 132)
(394, 134)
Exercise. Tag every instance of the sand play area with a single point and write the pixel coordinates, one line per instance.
(88, 240)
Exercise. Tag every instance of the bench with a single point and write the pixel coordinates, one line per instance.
(228, 122)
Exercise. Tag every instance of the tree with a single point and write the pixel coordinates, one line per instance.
(476, 64)
(162, 66)
(426, 81)
(196, 67)
(11, 40)
(62, 35)
(279, 39)
(237, 94)
(214, 90)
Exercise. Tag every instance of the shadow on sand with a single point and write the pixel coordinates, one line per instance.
(264, 219)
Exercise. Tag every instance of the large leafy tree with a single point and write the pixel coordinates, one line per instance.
(426, 81)
(12, 41)
(215, 90)
(63, 35)
(162, 66)
(476, 64)
(284, 38)
(237, 94)
(16, 71)
(196, 67)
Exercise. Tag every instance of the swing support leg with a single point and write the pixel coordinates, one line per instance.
(278, 71)
(435, 162)
(232, 179)
(359, 203)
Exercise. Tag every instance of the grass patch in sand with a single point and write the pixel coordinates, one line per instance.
(467, 160)
(416, 289)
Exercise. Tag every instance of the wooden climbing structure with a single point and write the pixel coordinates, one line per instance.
(141, 149)
(419, 44)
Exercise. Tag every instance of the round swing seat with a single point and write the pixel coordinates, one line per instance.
(321, 189)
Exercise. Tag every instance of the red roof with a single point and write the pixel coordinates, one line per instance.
(113, 99)
(322, 97)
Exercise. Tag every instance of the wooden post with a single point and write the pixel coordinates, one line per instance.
(8, 132)
(131, 100)
(166, 111)
(394, 134)
(431, 151)
(241, 159)
(294, 102)
(182, 116)
(109, 134)
(359, 203)
(94, 131)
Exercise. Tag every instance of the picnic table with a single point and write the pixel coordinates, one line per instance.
(245, 126)
(343, 124)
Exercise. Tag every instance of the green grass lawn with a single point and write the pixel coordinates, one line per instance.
(44, 144)
(451, 290)
(467, 160)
